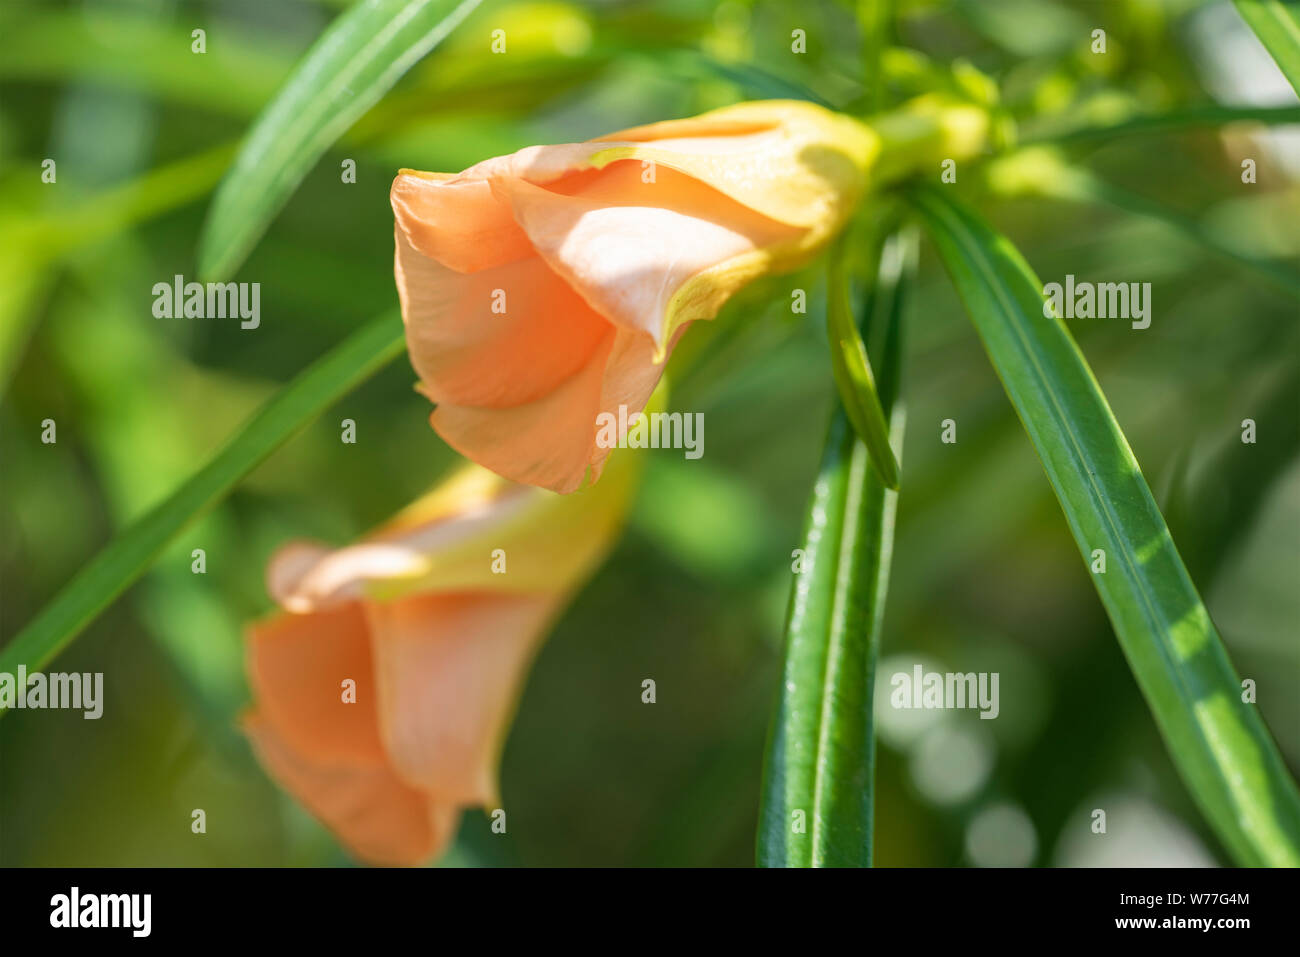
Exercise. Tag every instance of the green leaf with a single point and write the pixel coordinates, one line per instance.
(128, 556)
(755, 81)
(1277, 25)
(1043, 171)
(820, 764)
(1171, 121)
(353, 64)
(1083, 186)
(1219, 744)
(852, 371)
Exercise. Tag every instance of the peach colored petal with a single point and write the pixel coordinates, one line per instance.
(449, 670)
(458, 221)
(717, 124)
(374, 814)
(631, 376)
(287, 568)
(547, 442)
(297, 665)
(541, 165)
(335, 577)
(304, 577)
(628, 246)
(468, 354)
(789, 160)
(447, 539)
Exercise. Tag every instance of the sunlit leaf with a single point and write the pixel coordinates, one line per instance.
(354, 63)
(1277, 25)
(1219, 744)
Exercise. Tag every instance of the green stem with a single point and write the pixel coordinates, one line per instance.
(873, 21)
(818, 799)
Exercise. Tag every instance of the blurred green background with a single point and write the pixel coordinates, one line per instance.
(985, 578)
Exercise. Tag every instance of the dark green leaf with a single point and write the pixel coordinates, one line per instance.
(1219, 744)
(818, 780)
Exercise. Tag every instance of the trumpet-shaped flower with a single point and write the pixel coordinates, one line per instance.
(385, 687)
(543, 288)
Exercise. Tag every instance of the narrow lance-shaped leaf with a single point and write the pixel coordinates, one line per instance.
(1191, 117)
(353, 64)
(1277, 24)
(818, 778)
(1044, 171)
(1219, 744)
(755, 81)
(128, 556)
(1081, 185)
(852, 371)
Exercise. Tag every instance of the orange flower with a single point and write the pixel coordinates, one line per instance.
(384, 690)
(543, 288)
